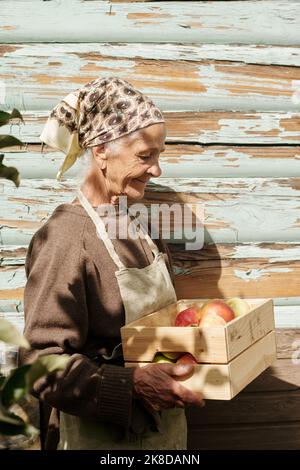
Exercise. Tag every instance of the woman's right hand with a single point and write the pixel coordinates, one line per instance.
(157, 387)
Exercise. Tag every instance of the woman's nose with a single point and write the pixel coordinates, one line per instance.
(155, 170)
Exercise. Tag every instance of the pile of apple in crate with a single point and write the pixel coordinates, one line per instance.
(230, 342)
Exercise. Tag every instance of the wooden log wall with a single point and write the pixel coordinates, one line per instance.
(226, 74)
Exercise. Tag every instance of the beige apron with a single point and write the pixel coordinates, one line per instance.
(142, 291)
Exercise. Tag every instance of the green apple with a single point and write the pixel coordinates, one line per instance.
(172, 355)
(239, 306)
(160, 358)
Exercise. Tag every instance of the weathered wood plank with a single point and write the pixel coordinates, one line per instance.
(240, 211)
(261, 436)
(287, 316)
(223, 270)
(260, 407)
(184, 161)
(64, 54)
(202, 22)
(245, 279)
(273, 252)
(282, 376)
(214, 279)
(176, 85)
(198, 127)
(247, 270)
(288, 344)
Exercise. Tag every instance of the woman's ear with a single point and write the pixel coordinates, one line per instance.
(100, 156)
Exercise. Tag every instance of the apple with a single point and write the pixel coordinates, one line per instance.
(217, 307)
(187, 317)
(212, 319)
(186, 359)
(239, 306)
(172, 355)
(160, 358)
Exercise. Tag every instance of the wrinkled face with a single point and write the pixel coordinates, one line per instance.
(129, 166)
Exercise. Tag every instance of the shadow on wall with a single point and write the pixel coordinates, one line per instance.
(196, 270)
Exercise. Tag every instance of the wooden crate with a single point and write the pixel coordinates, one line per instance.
(143, 338)
(229, 356)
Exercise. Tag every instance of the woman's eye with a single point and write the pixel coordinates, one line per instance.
(144, 157)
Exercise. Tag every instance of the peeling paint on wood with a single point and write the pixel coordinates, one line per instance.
(249, 54)
(185, 161)
(224, 274)
(257, 274)
(202, 22)
(235, 210)
(267, 252)
(218, 279)
(198, 127)
(172, 84)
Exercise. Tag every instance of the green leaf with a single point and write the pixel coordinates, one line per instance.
(9, 173)
(13, 425)
(15, 386)
(11, 335)
(9, 418)
(44, 365)
(6, 117)
(9, 141)
(30, 430)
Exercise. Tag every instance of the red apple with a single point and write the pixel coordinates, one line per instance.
(187, 317)
(217, 307)
(186, 359)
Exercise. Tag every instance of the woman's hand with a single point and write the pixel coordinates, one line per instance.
(156, 386)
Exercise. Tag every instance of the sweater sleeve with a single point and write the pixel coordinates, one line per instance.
(57, 322)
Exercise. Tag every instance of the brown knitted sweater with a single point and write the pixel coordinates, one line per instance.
(72, 305)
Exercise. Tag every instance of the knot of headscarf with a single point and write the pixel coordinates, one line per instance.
(102, 110)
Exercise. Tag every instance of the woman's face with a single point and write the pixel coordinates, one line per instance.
(129, 167)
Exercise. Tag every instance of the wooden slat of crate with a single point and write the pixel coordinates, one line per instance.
(252, 362)
(143, 338)
(244, 331)
(224, 381)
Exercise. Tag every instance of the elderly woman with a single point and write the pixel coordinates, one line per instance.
(82, 285)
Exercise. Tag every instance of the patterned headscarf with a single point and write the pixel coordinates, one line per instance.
(102, 110)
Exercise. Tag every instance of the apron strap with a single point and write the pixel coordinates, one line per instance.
(102, 233)
(151, 243)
